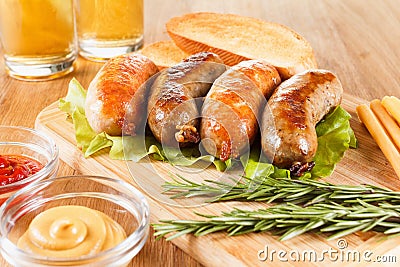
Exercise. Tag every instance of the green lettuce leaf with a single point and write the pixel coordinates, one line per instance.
(255, 165)
(335, 136)
(334, 133)
(75, 98)
(84, 134)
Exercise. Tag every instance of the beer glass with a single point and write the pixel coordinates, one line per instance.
(107, 28)
(38, 38)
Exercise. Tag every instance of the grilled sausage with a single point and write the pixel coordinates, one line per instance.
(232, 107)
(173, 115)
(297, 105)
(111, 91)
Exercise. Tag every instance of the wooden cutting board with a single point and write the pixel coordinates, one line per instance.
(366, 164)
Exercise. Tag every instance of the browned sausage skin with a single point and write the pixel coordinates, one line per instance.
(230, 111)
(110, 93)
(173, 114)
(297, 105)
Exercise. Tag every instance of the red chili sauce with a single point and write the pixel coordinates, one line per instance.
(14, 168)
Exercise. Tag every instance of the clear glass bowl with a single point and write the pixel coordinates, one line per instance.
(16, 140)
(116, 198)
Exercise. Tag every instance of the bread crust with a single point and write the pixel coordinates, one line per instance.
(164, 54)
(215, 41)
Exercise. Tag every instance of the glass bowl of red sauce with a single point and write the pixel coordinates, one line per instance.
(26, 156)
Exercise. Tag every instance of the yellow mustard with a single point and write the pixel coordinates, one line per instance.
(71, 231)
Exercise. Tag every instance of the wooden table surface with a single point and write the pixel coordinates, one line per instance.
(357, 39)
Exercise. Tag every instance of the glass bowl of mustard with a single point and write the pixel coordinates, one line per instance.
(74, 221)
(26, 156)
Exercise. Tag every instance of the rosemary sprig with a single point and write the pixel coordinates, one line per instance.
(309, 205)
(291, 220)
(268, 189)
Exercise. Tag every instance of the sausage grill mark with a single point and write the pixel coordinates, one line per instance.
(232, 107)
(110, 93)
(173, 115)
(297, 105)
(230, 110)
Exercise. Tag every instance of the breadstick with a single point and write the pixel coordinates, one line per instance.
(381, 138)
(392, 104)
(392, 128)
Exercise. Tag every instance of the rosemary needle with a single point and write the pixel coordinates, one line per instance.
(291, 220)
(309, 206)
(302, 192)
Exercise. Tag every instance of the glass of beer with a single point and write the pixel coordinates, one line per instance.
(108, 28)
(38, 38)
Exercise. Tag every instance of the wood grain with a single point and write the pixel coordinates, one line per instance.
(356, 39)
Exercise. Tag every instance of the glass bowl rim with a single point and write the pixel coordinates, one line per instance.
(126, 245)
(46, 168)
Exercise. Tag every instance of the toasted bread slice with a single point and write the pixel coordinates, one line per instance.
(236, 38)
(164, 53)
